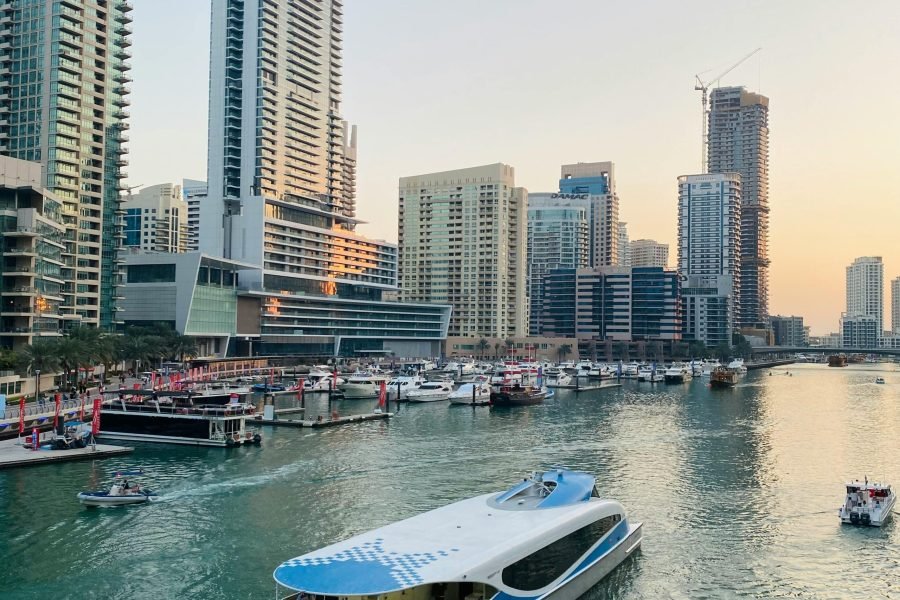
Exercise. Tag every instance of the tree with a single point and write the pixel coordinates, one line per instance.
(564, 350)
(678, 350)
(592, 349)
(497, 347)
(698, 349)
(180, 346)
(9, 360)
(742, 347)
(722, 351)
(40, 356)
(482, 346)
(510, 344)
(622, 351)
(642, 351)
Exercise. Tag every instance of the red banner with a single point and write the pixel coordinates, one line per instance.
(81, 410)
(95, 418)
(382, 395)
(21, 415)
(56, 399)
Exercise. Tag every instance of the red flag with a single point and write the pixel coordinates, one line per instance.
(272, 375)
(81, 410)
(382, 395)
(95, 418)
(56, 413)
(21, 415)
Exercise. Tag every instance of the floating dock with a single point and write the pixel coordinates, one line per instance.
(587, 388)
(298, 423)
(13, 455)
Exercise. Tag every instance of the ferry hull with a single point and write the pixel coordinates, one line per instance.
(167, 439)
(580, 584)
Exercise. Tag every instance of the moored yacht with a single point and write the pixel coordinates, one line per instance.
(561, 379)
(678, 373)
(363, 385)
(868, 504)
(738, 365)
(401, 386)
(477, 393)
(431, 391)
(550, 535)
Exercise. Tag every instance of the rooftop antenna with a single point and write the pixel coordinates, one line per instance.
(703, 87)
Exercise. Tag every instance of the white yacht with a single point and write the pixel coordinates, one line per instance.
(738, 365)
(431, 391)
(645, 373)
(630, 371)
(472, 394)
(868, 504)
(549, 536)
(507, 375)
(709, 366)
(402, 385)
(363, 385)
(678, 373)
(321, 381)
(560, 380)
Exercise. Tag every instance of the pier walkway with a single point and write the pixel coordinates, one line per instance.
(12, 454)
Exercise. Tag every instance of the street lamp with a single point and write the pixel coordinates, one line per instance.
(37, 387)
(249, 341)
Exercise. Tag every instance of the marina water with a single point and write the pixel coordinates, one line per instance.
(738, 490)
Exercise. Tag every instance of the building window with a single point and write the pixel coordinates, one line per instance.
(151, 273)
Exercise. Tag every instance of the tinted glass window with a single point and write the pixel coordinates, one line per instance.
(151, 273)
(544, 566)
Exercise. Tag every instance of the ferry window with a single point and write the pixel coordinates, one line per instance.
(541, 568)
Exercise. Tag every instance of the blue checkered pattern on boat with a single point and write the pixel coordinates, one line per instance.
(368, 561)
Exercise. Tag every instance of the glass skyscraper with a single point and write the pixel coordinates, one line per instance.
(62, 104)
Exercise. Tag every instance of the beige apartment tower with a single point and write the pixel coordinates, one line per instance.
(462, 240)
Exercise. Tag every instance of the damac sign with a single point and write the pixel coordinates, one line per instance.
(570, 196)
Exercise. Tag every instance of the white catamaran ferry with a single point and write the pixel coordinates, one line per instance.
(551, 535)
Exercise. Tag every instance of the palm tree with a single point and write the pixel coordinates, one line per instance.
(483, 345)
(40, 356)
(71, 354)
(181, 346)
(510, 344)
(497, 347)
(564, 350)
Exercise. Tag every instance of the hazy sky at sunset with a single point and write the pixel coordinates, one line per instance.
(437, 85)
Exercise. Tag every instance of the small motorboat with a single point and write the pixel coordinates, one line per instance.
(879, 380)
(867, 504)
(120, 493)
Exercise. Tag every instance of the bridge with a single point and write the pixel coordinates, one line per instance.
(824, 350)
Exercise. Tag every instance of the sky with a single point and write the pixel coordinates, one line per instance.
(436, 85)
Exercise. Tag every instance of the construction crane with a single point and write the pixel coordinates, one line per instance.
(704, 88)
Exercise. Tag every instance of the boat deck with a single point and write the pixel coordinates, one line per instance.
(298, 423)
(13, 455)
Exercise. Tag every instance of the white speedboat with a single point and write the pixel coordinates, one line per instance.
(432, 391)
(549, 536)
(738, 365)
(678, 373)
(321, 381)
(363, 385)
(879, 380)
(867, 504)
(472, 394)
(562, 379)
(120, 493)
(645, 373)
(402, 385)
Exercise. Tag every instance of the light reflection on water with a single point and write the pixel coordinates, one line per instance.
(738, 491)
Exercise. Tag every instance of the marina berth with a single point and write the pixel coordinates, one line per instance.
(550, 535)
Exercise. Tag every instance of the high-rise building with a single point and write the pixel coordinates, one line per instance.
(739, 143)
(859, 332)
(194, 191)
(865, 290)
(463, 241)
(895, 305)
(789, 331)
(280, 198)
(595, 185)
(624, 246)
(709, 250)
(648, 253)
(64, 97)
(156, 219)
(557, 239)
(613, 303)
(275, 95)
(33, 237)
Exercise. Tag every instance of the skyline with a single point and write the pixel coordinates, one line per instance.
(425, 88)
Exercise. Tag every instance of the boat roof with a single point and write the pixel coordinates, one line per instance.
(463, 541)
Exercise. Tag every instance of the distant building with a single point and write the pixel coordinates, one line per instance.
(156, 219)
(859, 331)
(33, 237)
(624, 248)
(194, 191)
(789, 331)
(613, 303)
(557, 239)
(523, 348)
(709, 242)
(648, 253)
(463, 243)
(594, 184)
(739, 143)
(895, 305)
(865, 291)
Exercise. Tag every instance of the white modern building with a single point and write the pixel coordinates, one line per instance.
(194, 191)
(739, 143)
(281, 190)
(156, 219)
(557, 239)
(648, 253)
(859, 331)
(865, 290)
(895, 305)
(463, 242)
(709, 242)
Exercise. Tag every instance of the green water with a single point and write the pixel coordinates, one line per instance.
(738, 491)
